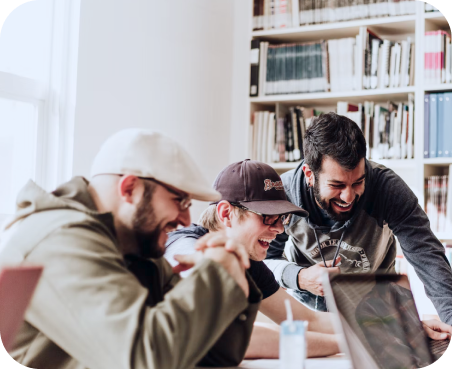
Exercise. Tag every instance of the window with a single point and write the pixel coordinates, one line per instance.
(38, 56)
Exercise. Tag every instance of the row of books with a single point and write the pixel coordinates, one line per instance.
(366, 61)
(274, 139)
(437, 56)
(430, 8)
(288, 68)
(388, 130)
(268, 14)
(438, 204)
(274, 14)
(369, 62)
(437, 125)
(326, 11)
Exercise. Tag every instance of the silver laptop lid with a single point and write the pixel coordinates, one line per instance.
(379, 321)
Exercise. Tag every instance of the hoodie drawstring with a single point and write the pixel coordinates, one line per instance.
(337, 248)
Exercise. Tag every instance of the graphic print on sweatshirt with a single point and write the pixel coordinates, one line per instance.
(353, 258)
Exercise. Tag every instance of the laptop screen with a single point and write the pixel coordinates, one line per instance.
(380, 313)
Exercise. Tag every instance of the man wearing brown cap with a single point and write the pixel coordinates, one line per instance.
(107, 299)
(252, 210)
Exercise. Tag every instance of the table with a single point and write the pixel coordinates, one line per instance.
(330, 362)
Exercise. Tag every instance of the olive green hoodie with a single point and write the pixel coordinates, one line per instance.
(90, 311)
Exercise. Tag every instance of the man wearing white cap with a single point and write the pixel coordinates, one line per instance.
(107, 298)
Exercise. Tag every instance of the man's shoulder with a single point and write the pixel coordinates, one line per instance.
(68, 224)
(386, 179)
(192, 231)
(287, 177)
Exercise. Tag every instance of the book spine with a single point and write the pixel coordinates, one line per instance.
(433, 126)
(426, 125)
(447, 136)
(440, 128)
(254, 68)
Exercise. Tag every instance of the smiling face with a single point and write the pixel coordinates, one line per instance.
(337, 190)
(253, 233)
(157, 213)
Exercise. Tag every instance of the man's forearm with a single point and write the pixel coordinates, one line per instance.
(322, 323)
(321, 344)
(264, 343)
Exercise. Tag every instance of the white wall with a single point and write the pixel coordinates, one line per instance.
(165, 65)
(240, 83)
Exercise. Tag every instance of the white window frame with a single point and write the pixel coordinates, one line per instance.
(54, 99)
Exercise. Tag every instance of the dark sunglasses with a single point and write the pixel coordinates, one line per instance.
(270, 220)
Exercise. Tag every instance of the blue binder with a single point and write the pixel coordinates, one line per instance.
(440, 125)
(426, 125)
(433, 122)
(447, 123)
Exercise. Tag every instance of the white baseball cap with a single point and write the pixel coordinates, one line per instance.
(149, 154)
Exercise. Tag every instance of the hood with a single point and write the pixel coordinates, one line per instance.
(70, 195)
(301, 195)
(193, 231)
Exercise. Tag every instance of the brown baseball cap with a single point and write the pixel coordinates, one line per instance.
(256, 186)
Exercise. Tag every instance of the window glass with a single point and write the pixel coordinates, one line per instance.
(18, 136)
(26, 41)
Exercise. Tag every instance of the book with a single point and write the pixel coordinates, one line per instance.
(254, 68)
(426, 126)
(447, 123)
(410, 133)
(440, 125)
(433, 126)
(263, 49)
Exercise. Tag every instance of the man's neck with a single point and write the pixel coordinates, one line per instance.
(126, 238)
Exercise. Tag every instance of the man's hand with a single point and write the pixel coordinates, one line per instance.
(219, 239)
(227, 259)
(437, 330)
(310, 279)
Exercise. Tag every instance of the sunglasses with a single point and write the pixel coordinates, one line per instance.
(270, 220)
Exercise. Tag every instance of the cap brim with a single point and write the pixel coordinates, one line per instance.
(274, 207)
(207, 194)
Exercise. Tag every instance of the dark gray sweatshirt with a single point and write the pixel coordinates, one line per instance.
(387, 207)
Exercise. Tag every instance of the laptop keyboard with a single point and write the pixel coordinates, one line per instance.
(437, 348)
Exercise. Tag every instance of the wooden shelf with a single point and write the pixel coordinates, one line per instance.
(399, 25)
(389, 163)
(440, 87)
(328, 98)
(438, 161)
(397, 163)
(437, 19)
(444, 236)
(284, 166)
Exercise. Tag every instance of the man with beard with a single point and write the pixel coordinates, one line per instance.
(356, 207)
(107, 298)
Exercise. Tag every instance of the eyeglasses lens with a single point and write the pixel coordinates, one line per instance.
(273, 219)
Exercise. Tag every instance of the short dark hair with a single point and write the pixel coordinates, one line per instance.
(335, 136)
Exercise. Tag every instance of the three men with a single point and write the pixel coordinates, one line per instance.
(356, 207)
(107, 298)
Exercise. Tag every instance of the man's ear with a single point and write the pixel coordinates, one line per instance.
(128, 188)
(309, 174)
(225, 213)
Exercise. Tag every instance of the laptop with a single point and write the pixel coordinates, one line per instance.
(378, 318)
(17, 285)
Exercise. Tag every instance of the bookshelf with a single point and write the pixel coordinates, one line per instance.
(394, 28)
(413, 171)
